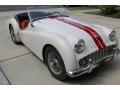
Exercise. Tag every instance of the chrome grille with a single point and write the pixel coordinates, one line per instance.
(101, 53)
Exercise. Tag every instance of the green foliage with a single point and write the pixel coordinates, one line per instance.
(108, 9)
(118, 11)
(118, 8)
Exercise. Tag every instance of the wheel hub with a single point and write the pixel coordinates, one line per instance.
(54, 63)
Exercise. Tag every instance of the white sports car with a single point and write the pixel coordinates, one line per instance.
(68, 47)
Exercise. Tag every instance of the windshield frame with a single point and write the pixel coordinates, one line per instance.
(42, 6)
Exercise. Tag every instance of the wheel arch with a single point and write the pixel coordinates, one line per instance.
(44, 48)
(65, 51)
(10, 26)
(12, 22)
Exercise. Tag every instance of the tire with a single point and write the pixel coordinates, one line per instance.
(13, 37)
(55, 63)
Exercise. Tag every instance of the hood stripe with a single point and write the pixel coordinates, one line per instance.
(96, 37)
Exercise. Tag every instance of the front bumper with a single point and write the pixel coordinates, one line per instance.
(92, 64)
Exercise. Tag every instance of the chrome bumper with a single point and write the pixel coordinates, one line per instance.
(91, 65)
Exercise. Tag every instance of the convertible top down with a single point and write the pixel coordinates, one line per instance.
(67, 46)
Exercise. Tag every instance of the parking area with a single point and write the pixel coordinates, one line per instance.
(19, 66)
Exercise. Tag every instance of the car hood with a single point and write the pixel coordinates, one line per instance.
(71, 30)
(53, 25)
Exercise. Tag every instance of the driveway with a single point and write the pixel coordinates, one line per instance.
(19, 66)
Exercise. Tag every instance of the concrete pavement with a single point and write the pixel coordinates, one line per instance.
(3, 79)
(20, 66)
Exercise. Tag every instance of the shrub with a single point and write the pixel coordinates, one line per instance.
(108, 9)
(118, 10)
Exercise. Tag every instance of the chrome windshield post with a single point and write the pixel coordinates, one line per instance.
(31, 22)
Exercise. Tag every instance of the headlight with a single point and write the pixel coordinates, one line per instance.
(80, 46)
(112, 36)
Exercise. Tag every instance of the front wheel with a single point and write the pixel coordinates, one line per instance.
(55, 63)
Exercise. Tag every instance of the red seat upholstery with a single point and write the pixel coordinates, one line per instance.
(20, 23)
(23, 24)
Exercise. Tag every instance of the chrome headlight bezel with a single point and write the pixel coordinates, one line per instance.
(80, 46)
(112, 36)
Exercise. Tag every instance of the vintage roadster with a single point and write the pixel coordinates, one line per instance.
(67, 46)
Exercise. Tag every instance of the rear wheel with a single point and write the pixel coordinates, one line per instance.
(55, 63)
(13, 35)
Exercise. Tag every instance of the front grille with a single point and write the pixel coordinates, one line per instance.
(98, 55)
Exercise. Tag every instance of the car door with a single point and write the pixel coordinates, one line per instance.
(33, 39)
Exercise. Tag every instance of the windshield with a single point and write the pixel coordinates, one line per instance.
(42, 12)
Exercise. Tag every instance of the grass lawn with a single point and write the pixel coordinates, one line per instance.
(88, 10)
(80, 8)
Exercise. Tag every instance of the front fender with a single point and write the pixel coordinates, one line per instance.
(37, 40)
(65, 50)
(106, 32)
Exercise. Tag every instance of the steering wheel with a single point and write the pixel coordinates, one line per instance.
(53, 14)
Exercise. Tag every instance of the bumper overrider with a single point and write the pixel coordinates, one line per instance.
(93, 60)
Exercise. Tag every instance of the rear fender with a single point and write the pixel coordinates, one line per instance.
(15, 25)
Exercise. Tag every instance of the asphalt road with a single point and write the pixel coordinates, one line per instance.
(19, 66)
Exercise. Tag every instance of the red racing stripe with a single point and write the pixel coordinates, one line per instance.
(96, 37)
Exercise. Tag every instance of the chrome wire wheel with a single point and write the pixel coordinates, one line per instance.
(54, 63)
